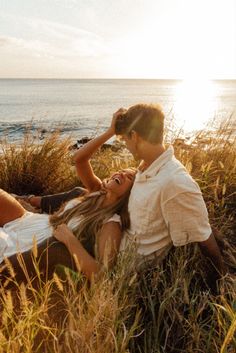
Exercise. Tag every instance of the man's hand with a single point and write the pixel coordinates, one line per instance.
(217, 269)
(28, 207)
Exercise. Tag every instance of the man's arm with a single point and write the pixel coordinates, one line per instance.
(210, 250)
(187, 217)
(216, 270)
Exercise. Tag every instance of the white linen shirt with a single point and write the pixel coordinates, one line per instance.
(166, 207)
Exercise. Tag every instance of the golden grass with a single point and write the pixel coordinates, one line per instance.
(168, 309)
(36, 168)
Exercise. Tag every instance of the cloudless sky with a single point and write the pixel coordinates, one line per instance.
(125, 38)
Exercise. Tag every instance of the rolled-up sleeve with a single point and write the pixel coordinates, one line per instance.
(3, 243)
(187, 219)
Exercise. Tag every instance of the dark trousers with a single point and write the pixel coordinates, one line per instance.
(51, 203)
(50, 254)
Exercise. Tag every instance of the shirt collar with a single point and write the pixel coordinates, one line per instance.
(154, 168)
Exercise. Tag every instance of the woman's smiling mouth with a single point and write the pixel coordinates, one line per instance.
(117, 180)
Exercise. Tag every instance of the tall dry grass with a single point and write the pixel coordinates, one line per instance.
(168, 309)
(35, 167)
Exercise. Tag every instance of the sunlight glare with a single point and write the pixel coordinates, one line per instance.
(195, 103)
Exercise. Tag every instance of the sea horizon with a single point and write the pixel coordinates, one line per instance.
(116, 78)
(84, 106)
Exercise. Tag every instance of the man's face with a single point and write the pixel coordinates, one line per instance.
(130, 144)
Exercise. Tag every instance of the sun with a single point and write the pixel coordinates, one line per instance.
(195, 103)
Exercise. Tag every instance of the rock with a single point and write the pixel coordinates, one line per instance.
(116, 146)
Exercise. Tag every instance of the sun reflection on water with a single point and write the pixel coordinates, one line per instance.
(195, 104)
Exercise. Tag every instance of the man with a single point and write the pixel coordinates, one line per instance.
(166, 205)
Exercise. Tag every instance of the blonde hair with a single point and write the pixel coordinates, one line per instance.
(92, 216)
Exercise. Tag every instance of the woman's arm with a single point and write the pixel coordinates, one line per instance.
(108, 247)
(109, 243)
(83, 155)
(82, 163)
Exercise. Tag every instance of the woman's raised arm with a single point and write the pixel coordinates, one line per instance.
(83, 165)
(83, 155)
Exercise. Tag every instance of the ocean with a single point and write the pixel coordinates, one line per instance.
(84, 107)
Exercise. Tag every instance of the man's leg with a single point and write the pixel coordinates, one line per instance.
(51, 203)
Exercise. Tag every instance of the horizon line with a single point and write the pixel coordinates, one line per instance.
(111, 78)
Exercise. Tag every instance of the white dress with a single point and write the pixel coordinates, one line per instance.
(18, 235)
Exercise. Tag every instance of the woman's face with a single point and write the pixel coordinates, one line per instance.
(120, 182)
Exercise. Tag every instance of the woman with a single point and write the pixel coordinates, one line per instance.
(88, 228)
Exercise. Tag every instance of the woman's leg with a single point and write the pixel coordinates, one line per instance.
(10, 208)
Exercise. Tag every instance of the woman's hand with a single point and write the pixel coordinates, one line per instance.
(63, 234)
(115, 116)
(83, 260)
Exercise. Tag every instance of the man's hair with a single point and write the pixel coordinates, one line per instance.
(146, 119)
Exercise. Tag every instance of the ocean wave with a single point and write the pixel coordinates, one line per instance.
(15, 131)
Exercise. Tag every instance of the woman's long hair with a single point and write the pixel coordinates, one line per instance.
(91, 216)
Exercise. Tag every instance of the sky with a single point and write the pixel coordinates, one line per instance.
(118, 39)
